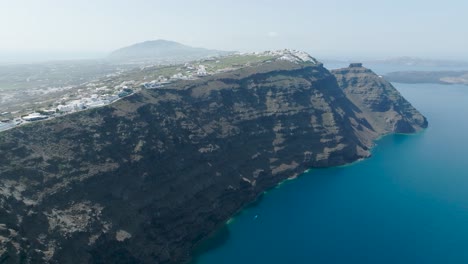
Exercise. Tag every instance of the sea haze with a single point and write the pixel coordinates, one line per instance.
(406, 204)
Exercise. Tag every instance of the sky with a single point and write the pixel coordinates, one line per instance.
(324, 28)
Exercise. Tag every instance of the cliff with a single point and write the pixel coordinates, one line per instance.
(144, 179)
(380, 103)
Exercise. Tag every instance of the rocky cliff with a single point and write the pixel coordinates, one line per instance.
(144, 179)
(380, 103)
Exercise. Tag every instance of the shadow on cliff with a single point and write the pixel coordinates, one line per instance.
(216, 240)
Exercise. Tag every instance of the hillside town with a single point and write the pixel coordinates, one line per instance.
(112, 87)
(83, 99)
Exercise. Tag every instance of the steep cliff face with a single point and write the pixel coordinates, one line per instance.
(144, 179)
(381, 104)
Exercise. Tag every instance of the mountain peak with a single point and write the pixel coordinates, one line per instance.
(161, 51)
(158, 42)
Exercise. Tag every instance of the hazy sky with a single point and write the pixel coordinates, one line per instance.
(333, 28)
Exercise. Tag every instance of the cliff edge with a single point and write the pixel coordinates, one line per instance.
(146, 178)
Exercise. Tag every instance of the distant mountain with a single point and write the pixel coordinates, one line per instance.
(441, 77)
(415, 61)
(161, 51)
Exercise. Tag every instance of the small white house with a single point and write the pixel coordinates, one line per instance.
(34, 117)
(202, 71)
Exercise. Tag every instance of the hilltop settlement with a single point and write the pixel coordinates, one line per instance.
(112, 87)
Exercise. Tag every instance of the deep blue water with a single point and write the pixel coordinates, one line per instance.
(408, 203)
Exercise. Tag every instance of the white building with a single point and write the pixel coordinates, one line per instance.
(34, 117)
(72, 106)
(202, 71)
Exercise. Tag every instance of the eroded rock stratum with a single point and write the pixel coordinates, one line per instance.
(144, 179)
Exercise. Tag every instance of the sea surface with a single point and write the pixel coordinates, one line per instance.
(408, 203)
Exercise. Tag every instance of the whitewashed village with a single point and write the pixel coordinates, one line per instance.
(99, 93)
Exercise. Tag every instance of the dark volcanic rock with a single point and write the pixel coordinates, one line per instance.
(381, 104)
(144, 179)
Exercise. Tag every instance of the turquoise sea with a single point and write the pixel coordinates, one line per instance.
(408, 203)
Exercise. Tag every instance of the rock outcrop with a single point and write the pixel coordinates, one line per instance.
(146, 178)
(380, 103)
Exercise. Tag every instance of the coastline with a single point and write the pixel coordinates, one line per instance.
(208, 243)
